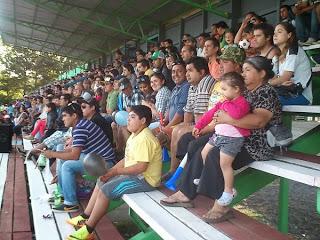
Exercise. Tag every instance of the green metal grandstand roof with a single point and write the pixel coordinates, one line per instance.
(84, 29)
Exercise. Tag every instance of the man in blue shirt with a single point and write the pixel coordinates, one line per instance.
(179, 96)
(87, 138)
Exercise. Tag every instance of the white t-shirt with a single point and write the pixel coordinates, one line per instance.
(300, 66)
(200, 52)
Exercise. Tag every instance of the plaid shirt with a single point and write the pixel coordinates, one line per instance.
(162, 100)
(133, 100)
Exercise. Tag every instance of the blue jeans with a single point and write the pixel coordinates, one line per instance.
(67, 170)
(299, 100)
(307, 25)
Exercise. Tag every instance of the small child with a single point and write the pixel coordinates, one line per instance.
(228, 138)
(229, 37)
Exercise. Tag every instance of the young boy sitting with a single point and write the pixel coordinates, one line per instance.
(139, 171)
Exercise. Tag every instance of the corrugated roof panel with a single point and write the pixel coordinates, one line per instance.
(6, 7)
(65, 26)
(23, 30)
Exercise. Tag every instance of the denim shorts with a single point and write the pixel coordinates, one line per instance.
(115, 187)
(228, 145)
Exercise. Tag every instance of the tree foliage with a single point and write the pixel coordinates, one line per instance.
(26, 70)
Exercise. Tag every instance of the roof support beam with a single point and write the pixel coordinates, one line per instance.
(209, 8)
(54, 46)
(61, 8)
(149, 12)
(57, 32)
(113, 14)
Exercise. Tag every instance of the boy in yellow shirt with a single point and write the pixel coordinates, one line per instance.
(139, 171)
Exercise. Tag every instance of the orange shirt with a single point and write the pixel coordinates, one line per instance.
(214, 68)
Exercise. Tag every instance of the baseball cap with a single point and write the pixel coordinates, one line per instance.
(188, 38)
(87, 97)
(158, 54)
(233, 53)
(124, 83)
(143, 79)
(108, 79)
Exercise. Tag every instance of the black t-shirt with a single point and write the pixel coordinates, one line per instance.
(104, 125)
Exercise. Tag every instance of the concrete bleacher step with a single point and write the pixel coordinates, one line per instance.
(311, 47)
(181, 223)
(169, 222)
(3, 173)
(14, 214)
(40, 188)
(45, 229)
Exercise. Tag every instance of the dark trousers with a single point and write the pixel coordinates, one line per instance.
(211, 177)
(190, 144)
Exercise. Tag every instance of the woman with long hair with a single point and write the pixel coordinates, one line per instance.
(293, 71)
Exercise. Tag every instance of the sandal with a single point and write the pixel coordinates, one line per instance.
(213, 217)
(218, 214)
(173, 201)
(187, 204)
(54, 180)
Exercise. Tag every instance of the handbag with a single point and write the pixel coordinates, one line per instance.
(291, 91)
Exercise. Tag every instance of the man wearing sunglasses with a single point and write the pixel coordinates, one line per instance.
(87, 137)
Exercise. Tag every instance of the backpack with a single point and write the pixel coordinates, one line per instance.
(279, 136)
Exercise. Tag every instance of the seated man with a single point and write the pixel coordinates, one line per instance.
(139, 171)
(90, 111)
(201, 84)
(87, 138)
(177, 102)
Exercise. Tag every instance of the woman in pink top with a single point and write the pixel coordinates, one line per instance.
(227, 137)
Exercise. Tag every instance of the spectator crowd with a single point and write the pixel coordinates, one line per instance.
(214, 99)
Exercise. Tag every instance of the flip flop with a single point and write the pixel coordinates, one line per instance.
(222, 217)
(188, 204)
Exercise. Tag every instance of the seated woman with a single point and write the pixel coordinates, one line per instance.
(293, 68)
(265, 111)
(163, 94)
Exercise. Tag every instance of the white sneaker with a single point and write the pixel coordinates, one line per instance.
(226, 198)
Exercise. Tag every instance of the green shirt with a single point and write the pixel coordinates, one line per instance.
(112, 100)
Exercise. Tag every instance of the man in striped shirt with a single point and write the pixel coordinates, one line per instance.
(87, 138)
(201, 84)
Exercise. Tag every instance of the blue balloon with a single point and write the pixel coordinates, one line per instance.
(121, 118)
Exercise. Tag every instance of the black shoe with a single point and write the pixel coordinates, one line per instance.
(66, 208)
(20, 150)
